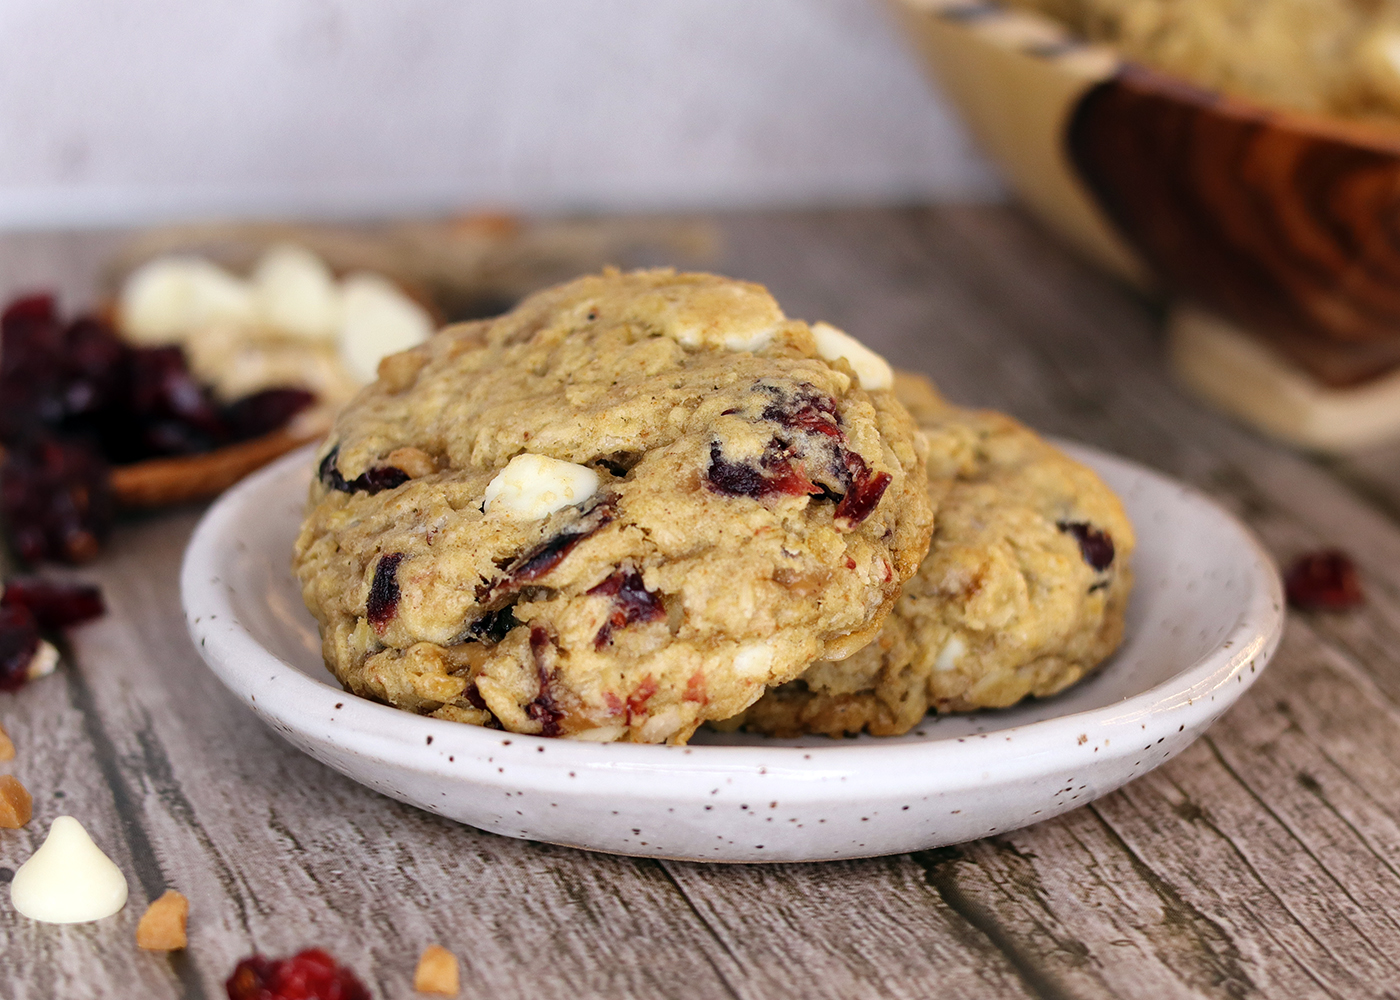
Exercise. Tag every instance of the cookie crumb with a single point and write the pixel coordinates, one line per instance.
(162, 926)
(437, 972)
(16, 804)
(7, 746)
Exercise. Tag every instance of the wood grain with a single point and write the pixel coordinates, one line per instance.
(1262, 862)
(1287, 224)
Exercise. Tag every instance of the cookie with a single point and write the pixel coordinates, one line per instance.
(626, 507)
(1022, 593)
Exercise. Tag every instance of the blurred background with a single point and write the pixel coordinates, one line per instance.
(166, 110)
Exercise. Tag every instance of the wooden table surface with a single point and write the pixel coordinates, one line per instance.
(1263, 861)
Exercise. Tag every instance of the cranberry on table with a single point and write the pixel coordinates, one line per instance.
(56, 499)
(1323, 580)
(308, 975)
(55, 604)
(19, 641)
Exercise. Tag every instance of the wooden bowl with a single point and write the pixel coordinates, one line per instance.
(1286, 224)
(163, 482)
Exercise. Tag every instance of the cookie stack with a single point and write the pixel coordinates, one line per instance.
(638, 503)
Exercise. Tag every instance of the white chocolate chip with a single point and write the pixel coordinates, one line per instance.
(43, 662)
(169, 298)
(873, 371)
(68, 880)
(662, 725)
(951, 654)
(295, 293)
(730, 340)
(377, 320)
(753, 658)
(533, 486)
(599, 734)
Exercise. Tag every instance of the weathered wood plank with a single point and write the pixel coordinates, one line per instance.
(843, 929)
(1263, 861)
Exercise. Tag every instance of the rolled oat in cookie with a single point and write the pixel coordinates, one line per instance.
(1022, 593)
(630, 505)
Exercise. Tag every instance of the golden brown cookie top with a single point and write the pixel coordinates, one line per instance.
(685, 500)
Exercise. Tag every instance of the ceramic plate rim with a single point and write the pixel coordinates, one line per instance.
(293, 702)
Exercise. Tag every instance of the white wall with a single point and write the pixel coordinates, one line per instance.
(137, 110)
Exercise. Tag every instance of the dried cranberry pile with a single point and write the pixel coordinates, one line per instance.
(30, 604)
(308, 975)
(74, 400)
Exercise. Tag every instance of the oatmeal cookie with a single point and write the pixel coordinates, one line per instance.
(1022, 593)
(626, 507)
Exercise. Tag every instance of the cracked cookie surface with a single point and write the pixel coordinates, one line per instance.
(1022, 593)
(755, 509)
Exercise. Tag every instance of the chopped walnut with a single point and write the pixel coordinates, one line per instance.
(7, 747)
(398, 371)
(162, 926)
(437, 972)
(16, 804)
(413, 461)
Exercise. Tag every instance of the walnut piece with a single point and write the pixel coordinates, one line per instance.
(437, 972)
(414, 461)
(7, 747)
(16, 804)
(162, 926)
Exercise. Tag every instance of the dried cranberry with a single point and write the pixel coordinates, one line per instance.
(329, 474)
(863, 491)
(1325, 580)
(29, 334)
(632, 603)
(493, 626)
(383, 601)
(779, 474)
(1094, 545)
(380, 478)
(163, 386)
(56, 499)
(637, 700)
(266, 411)
(168, 438)
(807, 410)
(548, 554)
(308, 975)
(19, 640)
(473, 697)
(53, 603)
(733, 478)
(545, 709)
(384, 477)
(31, 367)
(95, 358)
(815, 462)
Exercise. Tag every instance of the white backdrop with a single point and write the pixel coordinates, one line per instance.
(156, 109)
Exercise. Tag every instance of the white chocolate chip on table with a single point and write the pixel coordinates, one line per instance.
(43, 662)
(68, 880)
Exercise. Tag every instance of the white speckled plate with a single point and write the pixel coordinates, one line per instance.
(1205, 618)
